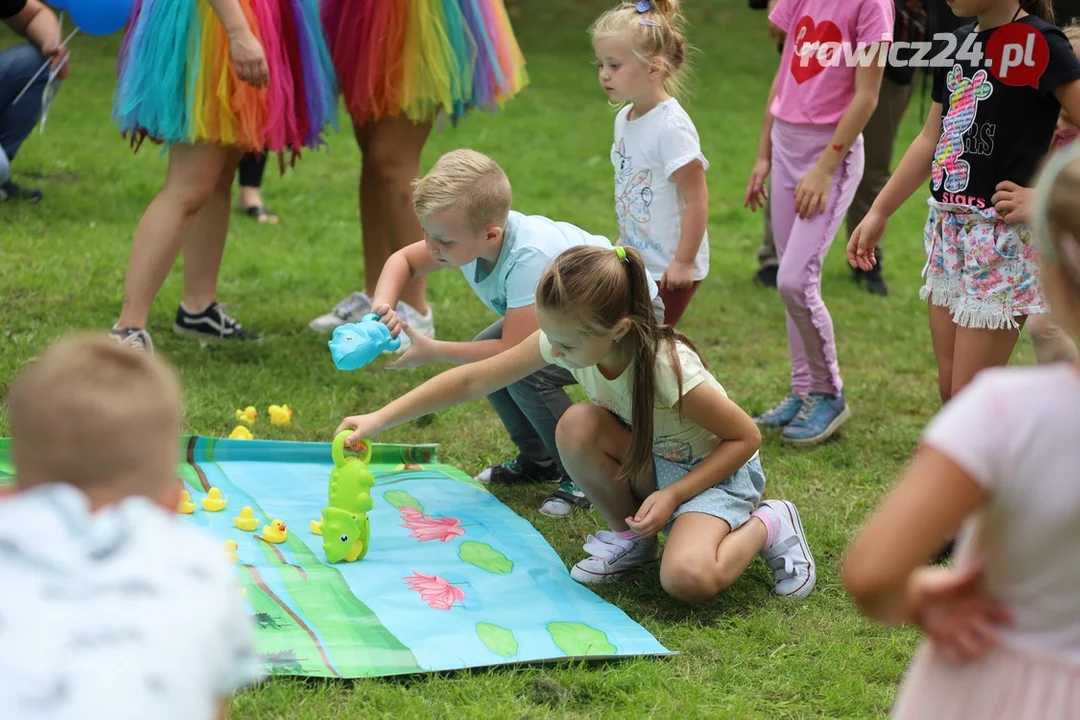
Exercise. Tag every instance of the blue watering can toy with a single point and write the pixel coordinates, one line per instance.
(354, 345)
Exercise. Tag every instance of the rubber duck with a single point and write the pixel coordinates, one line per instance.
(274, 532)
(280, 414)
(230, 551)
(316, 527)
(185, 506)
(213, 502)
(246, 520)
(247, 415)
(241, 433)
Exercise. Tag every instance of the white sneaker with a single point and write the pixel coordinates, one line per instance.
(794, 571)
(351, 309)
(612, 557)
(423, 324)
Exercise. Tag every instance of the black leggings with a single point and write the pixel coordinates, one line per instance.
(251, 170)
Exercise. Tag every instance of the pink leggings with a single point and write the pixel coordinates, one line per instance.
(802, 246)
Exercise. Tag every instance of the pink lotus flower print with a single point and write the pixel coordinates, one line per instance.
(437, 592)
(424, 527)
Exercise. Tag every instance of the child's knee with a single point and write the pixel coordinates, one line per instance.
(792, 283)
(690, 581)
(578, 428)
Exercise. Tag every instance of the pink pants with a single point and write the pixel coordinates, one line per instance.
(802, 246)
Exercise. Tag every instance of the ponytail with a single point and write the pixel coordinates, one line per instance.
(1043, 9)
(602, 288)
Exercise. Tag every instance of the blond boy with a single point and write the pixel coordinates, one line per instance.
(110, 606)
(463, 204)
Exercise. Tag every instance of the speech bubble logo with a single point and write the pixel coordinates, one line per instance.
(1017, 54)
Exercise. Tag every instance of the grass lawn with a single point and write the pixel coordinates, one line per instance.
(745, 654)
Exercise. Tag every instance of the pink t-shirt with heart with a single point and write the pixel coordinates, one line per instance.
(817, 81)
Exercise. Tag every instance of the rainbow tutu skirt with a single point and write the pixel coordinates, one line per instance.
(424, 59)
(177, 84)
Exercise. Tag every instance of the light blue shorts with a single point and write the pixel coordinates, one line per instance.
(731, 500)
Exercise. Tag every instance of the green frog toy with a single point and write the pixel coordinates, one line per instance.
(344, 526)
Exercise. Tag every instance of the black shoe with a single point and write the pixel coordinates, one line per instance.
(759, 4)
(11, 191)
(135, 338)
(212, 325)
(875, 284)
(766, 276)
(517, 472)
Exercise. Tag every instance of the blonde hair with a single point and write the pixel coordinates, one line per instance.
(1072, 32)
(467, 181)
(97, 415)
(600, 288)
(1056, 225)
(655, 36)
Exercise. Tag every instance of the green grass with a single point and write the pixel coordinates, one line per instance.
(743, 655)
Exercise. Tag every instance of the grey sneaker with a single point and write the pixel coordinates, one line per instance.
(135, 338)
(611, 558)
(562, 502)
(351, 309)
(794, 570)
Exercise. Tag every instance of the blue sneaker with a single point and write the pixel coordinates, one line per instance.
(782, 414)
(820, 416)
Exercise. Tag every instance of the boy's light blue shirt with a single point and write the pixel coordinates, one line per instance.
(530, 242)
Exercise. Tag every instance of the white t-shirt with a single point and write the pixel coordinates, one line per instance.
(530, 242)
(124, 614)
(646, 152)
(675, 438)
(1015, 432)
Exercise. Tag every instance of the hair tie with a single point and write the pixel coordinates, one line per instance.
(644, 6)
(621, 252)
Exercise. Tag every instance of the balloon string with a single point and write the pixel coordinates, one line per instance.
(42, 68)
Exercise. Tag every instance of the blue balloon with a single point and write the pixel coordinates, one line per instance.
(99, 17)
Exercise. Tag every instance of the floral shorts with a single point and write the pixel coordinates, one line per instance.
(979, 267)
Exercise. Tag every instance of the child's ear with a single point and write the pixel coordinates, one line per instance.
(494, 233)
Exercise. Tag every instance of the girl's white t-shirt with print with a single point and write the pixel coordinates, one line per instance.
(646, 152)
(675, 438)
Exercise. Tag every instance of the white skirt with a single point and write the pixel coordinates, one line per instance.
(1006, 683)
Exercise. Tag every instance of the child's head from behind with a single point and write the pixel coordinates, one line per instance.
(639, 48)
(593, 305)
(99, 416)
(1057, 236)
(462, 203)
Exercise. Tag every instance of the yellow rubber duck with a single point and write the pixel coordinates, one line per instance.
(185, 506)
(213, 502)
(316, 527)
(280, 414)
(230, 551)
(247, 415)
(275, 532)
(246, 520)
(241, 433)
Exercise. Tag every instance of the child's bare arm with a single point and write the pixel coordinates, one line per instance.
(518, 325)
(924, 510)
(690, 180)
(453, 387)
(867, 86)
(914, 168)
(247, 54)
(407, 263)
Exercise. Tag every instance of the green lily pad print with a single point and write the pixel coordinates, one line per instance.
(485, 557)
(498, 640)
(577, 639)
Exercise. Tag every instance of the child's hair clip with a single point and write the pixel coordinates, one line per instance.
(644, 6)
(650, 23)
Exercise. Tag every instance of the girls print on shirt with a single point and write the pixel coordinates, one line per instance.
(814, 47)
(948, 168)
(634, 195)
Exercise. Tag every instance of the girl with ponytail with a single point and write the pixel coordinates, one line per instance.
(659, 448)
